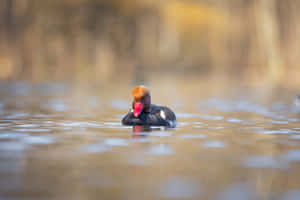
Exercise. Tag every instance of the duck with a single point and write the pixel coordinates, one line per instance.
(147, 114)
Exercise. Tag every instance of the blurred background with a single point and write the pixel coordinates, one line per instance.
(98, 41)
(228, 69)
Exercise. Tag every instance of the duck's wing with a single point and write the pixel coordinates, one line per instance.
(163, 115)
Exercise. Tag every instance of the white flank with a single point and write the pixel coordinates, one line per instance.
(162, 114)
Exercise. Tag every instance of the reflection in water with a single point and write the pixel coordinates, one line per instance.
(58, 146)
(144, 131)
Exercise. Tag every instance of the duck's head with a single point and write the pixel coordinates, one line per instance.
(141, 100)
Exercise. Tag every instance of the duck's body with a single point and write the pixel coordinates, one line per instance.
(145, 113)
(158, 116)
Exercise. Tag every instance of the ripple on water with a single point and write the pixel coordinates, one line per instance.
(115, 125)
(161, 149)
(291, 195)
(186, 115)
(279, 122)
(39, 139)
(295, 137)
(193, 136)
(234, 120)
(214, 144)
(12, 146)
(35, 130)
(180, 188)
(12, 135)
(160, 134)
(198, 123)
(263, 161)
(293, 155)
(182, 124)
(210, 117)
(237, 191)
(275, 132)
(96, 148)
(116, 142)
(17, 115)
(26, 125)
(80, 124)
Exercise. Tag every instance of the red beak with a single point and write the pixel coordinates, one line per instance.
(138, 108)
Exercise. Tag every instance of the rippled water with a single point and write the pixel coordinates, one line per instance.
(58, 144)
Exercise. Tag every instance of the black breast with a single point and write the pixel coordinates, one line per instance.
(158, 116)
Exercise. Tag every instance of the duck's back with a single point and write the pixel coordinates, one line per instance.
(158, 116)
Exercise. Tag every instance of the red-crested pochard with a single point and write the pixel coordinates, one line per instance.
(145, 113)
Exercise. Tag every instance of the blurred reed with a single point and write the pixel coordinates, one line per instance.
(101, 41)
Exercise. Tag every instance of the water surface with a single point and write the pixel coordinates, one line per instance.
(59, 144)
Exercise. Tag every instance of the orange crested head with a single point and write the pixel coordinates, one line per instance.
(141, 101)
(139, 92)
